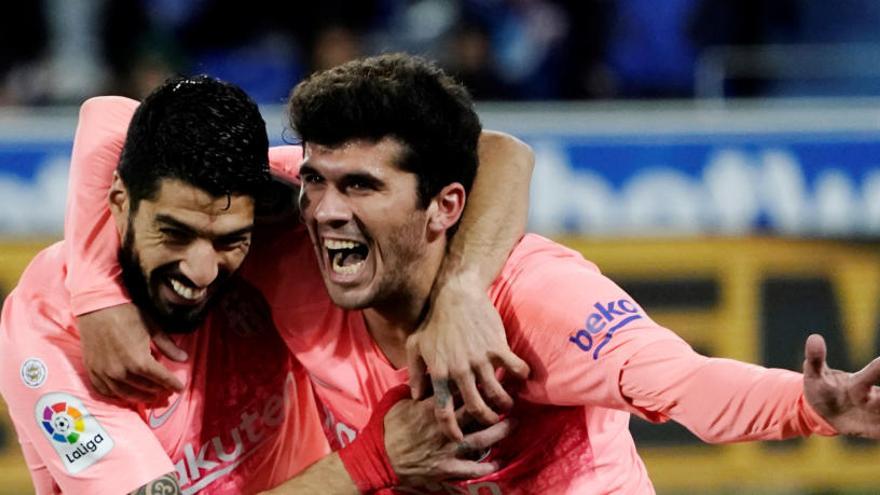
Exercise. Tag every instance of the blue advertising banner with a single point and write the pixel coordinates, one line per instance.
(33, 185)
(629, 170)
(816, 183)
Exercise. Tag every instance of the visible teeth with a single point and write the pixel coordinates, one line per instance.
(187, 292)
(336, 244)
(347, 270)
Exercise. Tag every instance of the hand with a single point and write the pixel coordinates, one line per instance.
(420, 452)
(462, 337)
(850, 402)
(116, 351)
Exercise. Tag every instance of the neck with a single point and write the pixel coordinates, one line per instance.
(393, 320)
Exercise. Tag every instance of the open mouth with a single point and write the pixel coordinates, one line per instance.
(186, 292)
(346, 257)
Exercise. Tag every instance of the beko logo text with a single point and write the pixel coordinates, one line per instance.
(608, 317)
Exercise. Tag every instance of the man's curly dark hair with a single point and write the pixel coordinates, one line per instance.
(400, 96)
(202, 131)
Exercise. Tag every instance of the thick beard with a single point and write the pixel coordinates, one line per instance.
(138, 286)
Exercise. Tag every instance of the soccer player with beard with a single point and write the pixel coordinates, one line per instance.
(384, 184)
(245, 419)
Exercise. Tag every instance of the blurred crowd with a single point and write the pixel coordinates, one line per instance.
(60, 51)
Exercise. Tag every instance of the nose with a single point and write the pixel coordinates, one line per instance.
(201, 264)
(332, 208)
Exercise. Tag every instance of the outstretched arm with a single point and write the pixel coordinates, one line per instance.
(462, 338)
(589, 343)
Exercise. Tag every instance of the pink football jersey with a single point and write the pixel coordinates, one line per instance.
(246, 419)
(596, 358)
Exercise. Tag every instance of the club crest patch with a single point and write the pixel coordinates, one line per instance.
(33, 372)
(73, 432)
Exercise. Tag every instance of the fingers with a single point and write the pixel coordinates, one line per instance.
(863, 380)
(159, 375)
(144, 384)
(464, 469)
(473, 401)
(125, 391)
(444, 409)
(488, 437)
(417, 369)
(492, 388)
(513, 364)
(148, 382)
(814, 356)
(100, 385)
(168, 347)
(872, 399)
(476, 442)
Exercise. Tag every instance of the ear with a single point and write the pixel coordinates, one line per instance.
(119, 204)
(445, 209)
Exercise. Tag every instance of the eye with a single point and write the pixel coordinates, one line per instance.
(311, 178)
(230, 243)
(360, 185)
(175, 236)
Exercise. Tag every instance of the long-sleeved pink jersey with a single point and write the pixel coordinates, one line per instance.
(246, 419)
(596, 358)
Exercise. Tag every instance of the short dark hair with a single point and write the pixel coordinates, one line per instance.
(394, 95)
(200, 130)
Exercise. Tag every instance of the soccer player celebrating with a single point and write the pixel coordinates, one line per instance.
(390, 145)
(193, 166)
(384, 182)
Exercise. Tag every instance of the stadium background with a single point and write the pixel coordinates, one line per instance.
(719, 158)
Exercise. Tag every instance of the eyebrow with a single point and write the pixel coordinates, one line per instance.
(305, 167)
(362, 177)
(170, 221)
(366, 177)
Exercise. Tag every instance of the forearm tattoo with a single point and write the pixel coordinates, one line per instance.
(166, 485)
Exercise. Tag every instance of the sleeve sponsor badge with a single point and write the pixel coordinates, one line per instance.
(73, 432)
(33, 372)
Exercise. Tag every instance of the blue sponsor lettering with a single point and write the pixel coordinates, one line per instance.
(583, 340)
(608, 311)
(606, 314)
(595, 323)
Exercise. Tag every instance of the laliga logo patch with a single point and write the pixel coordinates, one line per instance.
(76, 436)
(33, 372)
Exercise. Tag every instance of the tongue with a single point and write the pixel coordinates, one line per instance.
(351, 258)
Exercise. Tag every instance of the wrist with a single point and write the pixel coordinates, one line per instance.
(462, 281)
(367, 463)
(366, 459)
(813, 422)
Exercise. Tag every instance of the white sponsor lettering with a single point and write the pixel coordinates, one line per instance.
(737, 190)
(221, 454)
(344, 434)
